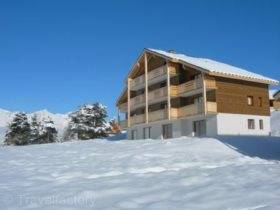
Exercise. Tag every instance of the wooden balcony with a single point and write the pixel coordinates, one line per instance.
(137, 101)
(138, 82)
(185, 111)
(156, 95)
(137, 119)
(156, 75)
(158, 115)
(123, 124)
(161, 71)
(187, 87)
(123, 107)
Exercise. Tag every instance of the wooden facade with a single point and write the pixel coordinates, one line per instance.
(231, 97)
(275, 104)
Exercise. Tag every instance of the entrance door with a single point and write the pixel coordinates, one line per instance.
(134, 134)
(167, 131)
(199, 127)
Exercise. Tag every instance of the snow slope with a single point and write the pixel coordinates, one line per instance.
(60, 120)
(187, 173)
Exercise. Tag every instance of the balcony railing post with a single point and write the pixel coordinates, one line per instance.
(204, 94)
(128, 101)
(168, 92)
(146, 89)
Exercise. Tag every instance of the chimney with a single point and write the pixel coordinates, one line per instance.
(172, 51)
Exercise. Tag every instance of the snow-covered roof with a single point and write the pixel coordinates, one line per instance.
(215, 67)
(271, 94)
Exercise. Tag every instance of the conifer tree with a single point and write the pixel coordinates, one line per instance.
(48, 132)
(19, 132)
(35, 129)
(88, 122)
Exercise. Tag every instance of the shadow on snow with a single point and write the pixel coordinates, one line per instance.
(254, 146)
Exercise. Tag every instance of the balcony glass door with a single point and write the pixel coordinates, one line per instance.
(199, 128)
(147, 133)
(167, 131)
(134, 134)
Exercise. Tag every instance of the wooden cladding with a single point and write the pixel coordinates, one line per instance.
(275, 104)
(232, 97)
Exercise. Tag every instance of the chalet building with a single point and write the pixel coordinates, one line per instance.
(274, 98)
(170, 95)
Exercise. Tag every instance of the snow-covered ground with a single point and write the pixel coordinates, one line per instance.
(187, 173)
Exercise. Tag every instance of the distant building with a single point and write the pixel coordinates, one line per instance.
(274, 99)
(171, 95)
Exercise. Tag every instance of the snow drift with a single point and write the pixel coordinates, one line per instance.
(186, 173)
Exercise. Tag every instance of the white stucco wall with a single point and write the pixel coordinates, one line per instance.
(156, 129)
(220, 124)
(237, 124)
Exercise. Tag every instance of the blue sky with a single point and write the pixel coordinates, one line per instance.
(60, 54)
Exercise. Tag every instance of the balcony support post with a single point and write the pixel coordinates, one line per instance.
(118, 111)
(128, 101)
(168, 92)
(146, 89)
(204, 94)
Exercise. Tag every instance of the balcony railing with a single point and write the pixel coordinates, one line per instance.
(138, 81)
(153, 76)
(157, 72)
(123, 107)
(157, 93)
(162, 114)
(137, 101)
(158, 115)
(137, 119)
(185, 111)
(123, 124)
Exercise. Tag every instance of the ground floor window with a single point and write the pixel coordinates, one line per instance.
(199, 127)
(147, 133)
(251, 124)
(134, 134)
(261, 124)
(167, 131)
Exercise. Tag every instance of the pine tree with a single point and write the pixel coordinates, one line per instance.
(88, 122)
(19, 132)
(35, 127)
(47, 132)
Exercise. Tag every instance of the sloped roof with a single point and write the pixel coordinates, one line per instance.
(276, 95)
(271, 93)
(215, 67)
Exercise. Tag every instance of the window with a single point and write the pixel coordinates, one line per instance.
(260, 101)
(251, 124)
(250, 100)
(261, 124)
